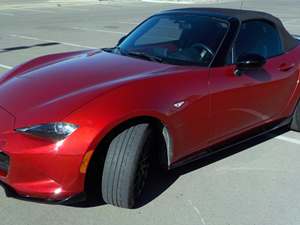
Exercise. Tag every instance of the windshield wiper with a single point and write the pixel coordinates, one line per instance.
(145, 56)
(134, 54)
(108, 49)
(116, 49)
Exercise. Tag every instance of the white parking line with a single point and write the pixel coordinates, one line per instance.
(168, 1)
(6, 67)
(48, 40)
(288, 139)
(98, 30)
(31, 10)
(74, 9)
(292, 20)
(131, 23)
(6, 14)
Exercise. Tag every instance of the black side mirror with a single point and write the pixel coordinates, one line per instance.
(121, 40)
(249, 62)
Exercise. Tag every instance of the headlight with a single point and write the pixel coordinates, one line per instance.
(53, 131)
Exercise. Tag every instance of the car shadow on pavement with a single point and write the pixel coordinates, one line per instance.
(160, 180)
(27, 47)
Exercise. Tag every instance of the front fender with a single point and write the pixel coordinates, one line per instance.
(100, 116)
(156, 97)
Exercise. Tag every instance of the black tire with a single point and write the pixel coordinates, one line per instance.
(295, 125)
(126, 166)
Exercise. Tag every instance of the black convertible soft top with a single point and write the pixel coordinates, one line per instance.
(289, 42)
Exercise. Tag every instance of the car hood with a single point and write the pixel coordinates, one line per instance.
(51, 89)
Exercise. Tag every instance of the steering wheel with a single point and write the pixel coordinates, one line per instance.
(203, 46)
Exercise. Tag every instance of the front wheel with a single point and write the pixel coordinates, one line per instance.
(126, 166)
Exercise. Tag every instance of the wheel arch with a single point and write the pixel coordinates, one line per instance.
(164, 138)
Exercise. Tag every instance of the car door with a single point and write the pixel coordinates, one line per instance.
(242, 102)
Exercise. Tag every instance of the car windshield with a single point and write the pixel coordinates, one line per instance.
(175, 39)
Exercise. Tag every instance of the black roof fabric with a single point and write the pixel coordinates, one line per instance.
(242, 15)
(225, 13)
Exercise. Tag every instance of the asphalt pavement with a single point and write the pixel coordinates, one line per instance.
(254, 184)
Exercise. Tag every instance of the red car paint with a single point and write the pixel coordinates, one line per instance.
(98, 91)
(221, 103)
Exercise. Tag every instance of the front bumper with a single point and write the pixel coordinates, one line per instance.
(38, 168)
(11, 193)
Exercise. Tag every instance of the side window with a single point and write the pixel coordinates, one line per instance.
(257, 37)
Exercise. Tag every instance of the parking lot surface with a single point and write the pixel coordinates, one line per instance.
(255, 184)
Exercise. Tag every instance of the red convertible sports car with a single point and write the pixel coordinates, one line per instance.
(182, 85)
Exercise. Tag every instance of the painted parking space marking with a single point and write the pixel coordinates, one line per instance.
(5, 67)
(131, 23)
(48, 40)
(6, 14)
(30, 10)
(168, 1)
(288, 139)
(98, 30)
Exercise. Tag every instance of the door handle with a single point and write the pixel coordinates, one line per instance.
(284, 67)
